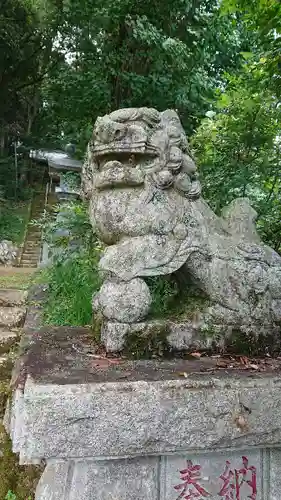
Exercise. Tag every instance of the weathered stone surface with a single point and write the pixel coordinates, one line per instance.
(55, 482)
(34, 315)
(7, 339)
(123, 302)
(113, 334)
(12, 316)
(240, 219)
(249, 473)
(179, 335)
(274, 476)
(89, 480)
(12, 297)
(125, 419)
(8, 252)
(126, 430)
(145, 203)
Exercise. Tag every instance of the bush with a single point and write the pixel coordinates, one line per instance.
(13, 221)
(73, 276)
(72, 283)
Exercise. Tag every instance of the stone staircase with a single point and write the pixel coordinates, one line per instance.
(32, 246)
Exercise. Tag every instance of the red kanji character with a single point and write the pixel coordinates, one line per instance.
(232, 481)
(228, 487)
(191, 487)
(244, 471)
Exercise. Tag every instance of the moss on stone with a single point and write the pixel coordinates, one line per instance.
(147, 343)
(21, 480)
(96, 327)
(252, 345)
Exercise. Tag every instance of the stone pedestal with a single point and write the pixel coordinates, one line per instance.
(159, 478)
(143, 430)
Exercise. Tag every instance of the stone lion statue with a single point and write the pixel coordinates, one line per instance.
(145, 204)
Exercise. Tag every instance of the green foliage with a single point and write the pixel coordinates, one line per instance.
(10, 496)
(72, 180)
(147, 344)
(23, 43)
(131, 53)
(71, 286)
(263, 18)
(73, 277)
(13, 182)
(170, 299)
(238, 149)
(72, 221)
(13, 221)
(164, 292)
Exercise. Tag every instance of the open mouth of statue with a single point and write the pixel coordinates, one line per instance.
(130, 158)
(137, 154)
(122, 169)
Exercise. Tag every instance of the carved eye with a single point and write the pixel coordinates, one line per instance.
(119, 132)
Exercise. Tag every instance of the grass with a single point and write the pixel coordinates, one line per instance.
(73, 282)
(13, 221)
(171, 301)
(16, 482)
(71, 286)
(18, 278)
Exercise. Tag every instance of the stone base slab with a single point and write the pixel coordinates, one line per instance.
(179, 335)
(187, 334)
(248, 473)
(121, 430)
(133, 418)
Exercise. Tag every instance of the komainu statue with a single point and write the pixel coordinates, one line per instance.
(146, 206)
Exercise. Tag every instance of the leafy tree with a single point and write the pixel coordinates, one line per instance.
(238, 147)
(128, 53)
(25, 58)
(262, 17)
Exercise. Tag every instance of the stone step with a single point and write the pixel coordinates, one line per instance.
(26, 260)
(32, 244)
(7, 339)
(29, 265)
(33, 257)
(29, 262)
(34, 235)
(9, 297)
(33, 253)
(12, 316)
